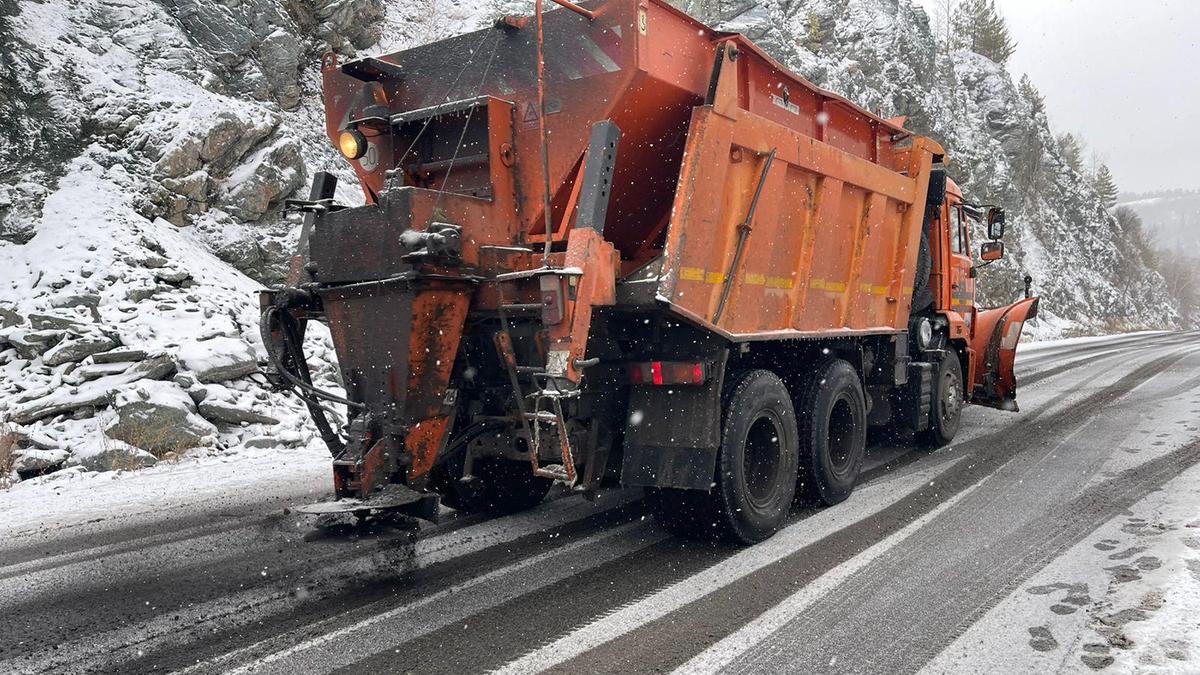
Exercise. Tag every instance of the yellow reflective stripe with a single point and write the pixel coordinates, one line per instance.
(829, 286)
(751, 278)
(873, 290)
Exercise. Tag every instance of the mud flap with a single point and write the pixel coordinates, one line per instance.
(996, 334)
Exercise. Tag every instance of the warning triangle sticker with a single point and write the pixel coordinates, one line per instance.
(531, 113)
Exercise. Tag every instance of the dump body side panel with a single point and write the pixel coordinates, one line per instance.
(832, 244)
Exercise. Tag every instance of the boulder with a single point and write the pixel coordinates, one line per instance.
(95, 371)
(221, 137)
(122, 355)
(156, 368)
(172, 276)
(77, 348)
(186, 195)
(180, 158)
(140, 293)
(36, 461)
(158, 417)
(262, 261)
(115, 459)
(355, 21)
(230, 413)
(32, 344)
(9, 318)
(76, 300)
(152, 260)
(52, 322)
(218, 359)
(282, 440)
(198, 394)
(90, 394)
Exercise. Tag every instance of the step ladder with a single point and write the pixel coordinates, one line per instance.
(545, 396)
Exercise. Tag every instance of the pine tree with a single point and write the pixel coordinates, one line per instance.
(980, 28)
(1073, 150)
(1031, 94)
(1105, 187)
(814, 34)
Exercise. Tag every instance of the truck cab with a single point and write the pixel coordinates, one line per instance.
(983, 339)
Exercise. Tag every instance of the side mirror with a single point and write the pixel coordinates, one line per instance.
(991, 251)
(995, 222)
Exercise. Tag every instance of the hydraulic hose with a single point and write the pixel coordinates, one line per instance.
(293, 367)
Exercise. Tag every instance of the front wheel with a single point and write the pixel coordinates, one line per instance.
(755, 477)
(946, 404)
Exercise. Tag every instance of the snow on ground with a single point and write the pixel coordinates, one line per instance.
(1028, 346)
(1126, 599)
(74, 497)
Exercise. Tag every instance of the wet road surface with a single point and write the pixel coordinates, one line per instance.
(927, 546)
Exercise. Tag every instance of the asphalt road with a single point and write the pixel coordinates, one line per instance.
(929, 544)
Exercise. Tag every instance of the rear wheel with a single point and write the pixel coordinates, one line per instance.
(833, 432)
(755, 477)
(946, 404)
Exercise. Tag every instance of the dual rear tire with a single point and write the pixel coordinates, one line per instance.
(769, 454)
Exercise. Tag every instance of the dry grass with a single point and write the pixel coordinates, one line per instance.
(8, 455)
(151, 439)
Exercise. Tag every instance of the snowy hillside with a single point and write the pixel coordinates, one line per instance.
(1172, 218)
(148, 146)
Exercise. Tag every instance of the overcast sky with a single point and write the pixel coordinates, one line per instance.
(1123, 73)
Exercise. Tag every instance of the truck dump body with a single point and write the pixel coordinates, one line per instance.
(665, 207)
(832, 247)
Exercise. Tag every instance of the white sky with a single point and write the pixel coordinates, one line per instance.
(1123, 73)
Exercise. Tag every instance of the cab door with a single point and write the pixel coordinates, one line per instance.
(961, 283)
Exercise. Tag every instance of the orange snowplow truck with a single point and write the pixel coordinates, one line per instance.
(607, 245)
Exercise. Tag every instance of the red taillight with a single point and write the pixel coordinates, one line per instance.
(668, 372)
